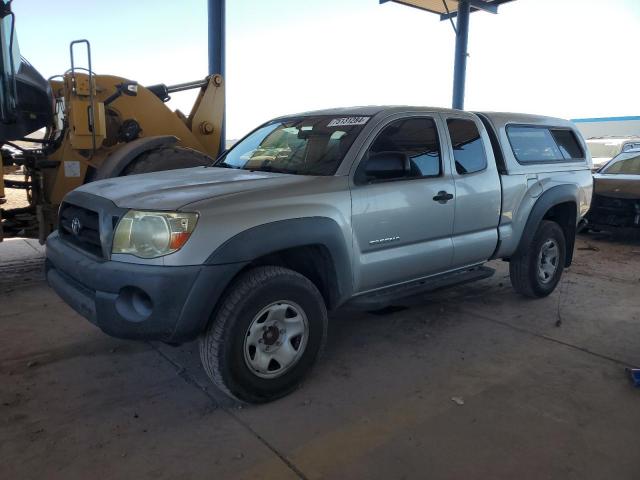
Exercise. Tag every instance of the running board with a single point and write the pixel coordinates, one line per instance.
(383, 297)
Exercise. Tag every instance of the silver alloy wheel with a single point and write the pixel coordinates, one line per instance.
(276, 339)
(548, 259)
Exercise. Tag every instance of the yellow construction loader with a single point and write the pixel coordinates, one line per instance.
(80, 127)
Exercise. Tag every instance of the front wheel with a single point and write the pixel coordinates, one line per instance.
(537, 271)
(267, 334)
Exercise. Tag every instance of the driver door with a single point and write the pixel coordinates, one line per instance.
(403, 226)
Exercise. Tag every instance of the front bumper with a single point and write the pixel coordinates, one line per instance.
(127, 300)
(614, 212)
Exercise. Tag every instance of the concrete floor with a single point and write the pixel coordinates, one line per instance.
(538, 400)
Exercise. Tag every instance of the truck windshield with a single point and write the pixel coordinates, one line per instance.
(312, 145)
(629, 166)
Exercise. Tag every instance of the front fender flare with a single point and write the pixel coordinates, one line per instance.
(280, 235)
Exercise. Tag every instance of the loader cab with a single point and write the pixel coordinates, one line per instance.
(26, 101)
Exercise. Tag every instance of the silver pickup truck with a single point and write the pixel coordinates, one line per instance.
(309, 212)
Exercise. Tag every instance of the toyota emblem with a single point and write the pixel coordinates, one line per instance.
(76, 226)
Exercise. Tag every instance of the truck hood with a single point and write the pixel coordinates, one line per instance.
(172, 189)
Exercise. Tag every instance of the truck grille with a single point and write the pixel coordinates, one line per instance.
(81, 227)
(618, 212)
(613, 203)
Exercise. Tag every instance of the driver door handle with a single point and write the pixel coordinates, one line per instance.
(443, 197)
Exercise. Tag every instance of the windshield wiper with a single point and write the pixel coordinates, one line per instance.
(270, 169)
(224, 165)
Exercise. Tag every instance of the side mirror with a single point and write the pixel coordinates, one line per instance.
(386, 166)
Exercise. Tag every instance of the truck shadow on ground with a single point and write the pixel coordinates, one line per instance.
(93, 347)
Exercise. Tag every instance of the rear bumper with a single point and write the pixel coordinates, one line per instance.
(127, 300)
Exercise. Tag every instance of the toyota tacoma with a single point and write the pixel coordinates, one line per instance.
(310, 212)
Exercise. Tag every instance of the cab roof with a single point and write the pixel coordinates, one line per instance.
(497, 118)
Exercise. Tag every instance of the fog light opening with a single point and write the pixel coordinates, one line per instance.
(134, 304)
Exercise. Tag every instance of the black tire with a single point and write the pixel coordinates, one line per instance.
(167, 158)
(524, 270)
(222, 346)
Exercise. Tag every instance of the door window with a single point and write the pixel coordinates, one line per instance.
(413, 139)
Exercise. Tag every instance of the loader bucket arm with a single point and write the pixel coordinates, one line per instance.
(206, 117)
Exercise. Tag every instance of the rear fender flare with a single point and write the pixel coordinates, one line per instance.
(552, 197)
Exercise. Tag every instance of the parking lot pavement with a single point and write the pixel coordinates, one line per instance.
(539, 390)
(20, 249)
(20, 262)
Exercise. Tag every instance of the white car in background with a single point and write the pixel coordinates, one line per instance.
(605, 148)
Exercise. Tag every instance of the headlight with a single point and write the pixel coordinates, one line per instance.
(153, 234)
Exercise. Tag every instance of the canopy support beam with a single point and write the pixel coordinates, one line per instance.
(459, 10)
(460, 66)
(216, 44)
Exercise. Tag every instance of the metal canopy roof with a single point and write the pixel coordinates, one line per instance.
(449, 8)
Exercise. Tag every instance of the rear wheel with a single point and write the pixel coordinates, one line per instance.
(167, 158)
(537, 271)
(267, 334)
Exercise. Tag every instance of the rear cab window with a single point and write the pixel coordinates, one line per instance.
(541, 144)
(468, 149)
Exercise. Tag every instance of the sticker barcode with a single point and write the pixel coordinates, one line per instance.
(347, 121)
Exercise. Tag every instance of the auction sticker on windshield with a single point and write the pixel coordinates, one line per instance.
(346, 121)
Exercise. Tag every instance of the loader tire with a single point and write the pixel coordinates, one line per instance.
(167, 158)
